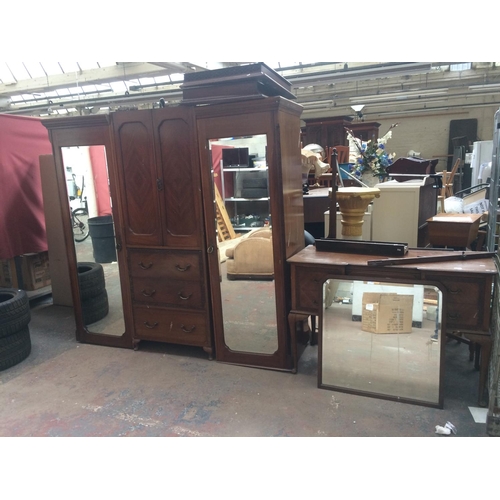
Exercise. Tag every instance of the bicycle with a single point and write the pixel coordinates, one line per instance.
(80, 218)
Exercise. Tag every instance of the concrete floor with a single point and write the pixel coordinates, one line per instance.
(69, 389)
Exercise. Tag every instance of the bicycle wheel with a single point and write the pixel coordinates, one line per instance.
(80, 224)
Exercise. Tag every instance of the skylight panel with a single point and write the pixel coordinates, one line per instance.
(176, 77)
(161, 79)
(146, 81)
(460, 67)
(51, 68)
(34, 69)
(103, 87)
(88, 89)
(86, 65)
(118, 87)
(75, 90)
(62, 92)
(18, 70)
(106, 64)
(6, 76)
(70, 67)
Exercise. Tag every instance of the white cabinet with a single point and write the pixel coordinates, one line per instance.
(400, 213)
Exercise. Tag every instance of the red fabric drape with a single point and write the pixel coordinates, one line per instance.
(100, 174)
(22, 220)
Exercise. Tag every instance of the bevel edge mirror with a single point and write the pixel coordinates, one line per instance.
(80, 132)
(353, 356)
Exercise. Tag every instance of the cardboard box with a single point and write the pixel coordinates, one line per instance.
(387, 313)
(35, 270)
(475, 203)
(8, 274)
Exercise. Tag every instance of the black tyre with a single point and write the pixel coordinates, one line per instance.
(91, 279)
(95, 308)
(80, 219)
(15, 348)
(14, 311)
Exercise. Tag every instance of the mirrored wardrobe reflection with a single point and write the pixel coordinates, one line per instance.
(244, 232)
(88, 196)
(94, 240)
(251, 178)
(382, 339)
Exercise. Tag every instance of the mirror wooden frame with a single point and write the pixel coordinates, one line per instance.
(88, 131)
(439, 404)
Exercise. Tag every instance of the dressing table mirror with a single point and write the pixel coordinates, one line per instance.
(382, 339)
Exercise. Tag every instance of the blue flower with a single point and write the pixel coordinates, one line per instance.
(381, 146)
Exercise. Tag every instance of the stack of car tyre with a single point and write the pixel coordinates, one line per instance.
(93, 292)
(15, 340)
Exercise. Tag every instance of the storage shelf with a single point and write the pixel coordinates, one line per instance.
(245, 169)
(246, 199)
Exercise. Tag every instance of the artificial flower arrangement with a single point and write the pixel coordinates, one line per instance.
(371, 157)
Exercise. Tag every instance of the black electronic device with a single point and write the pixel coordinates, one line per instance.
(362, 247)
(235, 158)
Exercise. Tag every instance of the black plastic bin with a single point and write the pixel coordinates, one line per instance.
(102, 233)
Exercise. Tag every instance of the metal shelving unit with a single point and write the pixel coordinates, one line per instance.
(239, 206)
(493, 224)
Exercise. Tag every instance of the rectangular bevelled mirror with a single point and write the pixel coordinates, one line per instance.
(90, 206)
(382, 339)
(244, 228)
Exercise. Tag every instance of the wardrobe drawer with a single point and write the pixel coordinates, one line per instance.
(161, 290)
(156, 323)
(176, 265)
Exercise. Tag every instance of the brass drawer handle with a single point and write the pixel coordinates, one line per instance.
(154, 325)
(142, 266)
(183, 297)
(182, 269)
(453, 316)
(187, 330)
(148, 294)
(454, 292)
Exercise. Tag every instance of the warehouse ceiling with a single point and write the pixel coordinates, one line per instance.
(380, 89)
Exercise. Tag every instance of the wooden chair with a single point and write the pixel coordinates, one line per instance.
(448, 177)
(342, 154)
(447, 185)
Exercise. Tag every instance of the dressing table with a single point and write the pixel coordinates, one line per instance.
(466, 286)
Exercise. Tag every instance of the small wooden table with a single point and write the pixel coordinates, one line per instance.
(453, 230)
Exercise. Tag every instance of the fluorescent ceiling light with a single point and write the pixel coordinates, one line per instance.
(361, 73)
(486, 86)
(400, 95)
(357, 107)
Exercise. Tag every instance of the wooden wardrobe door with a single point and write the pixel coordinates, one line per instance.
(176, 153)
(138, 177)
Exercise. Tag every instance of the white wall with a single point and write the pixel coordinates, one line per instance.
(429, 135)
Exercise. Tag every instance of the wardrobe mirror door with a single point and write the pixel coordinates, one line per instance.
(244, 232)
(382, 339)
(90, 204)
